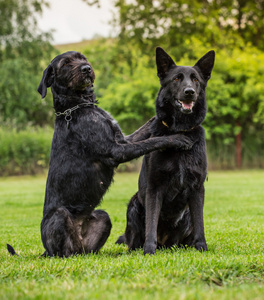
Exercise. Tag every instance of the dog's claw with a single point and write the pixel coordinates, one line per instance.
(149, 252)
(150, 249)
(202, 247)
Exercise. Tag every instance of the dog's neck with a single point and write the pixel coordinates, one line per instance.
(65, 98)
(174, 120)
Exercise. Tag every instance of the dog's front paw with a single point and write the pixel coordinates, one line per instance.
(150, 249)
(201, 246)
(184, 143)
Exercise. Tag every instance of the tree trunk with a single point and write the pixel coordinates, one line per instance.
(239, 148)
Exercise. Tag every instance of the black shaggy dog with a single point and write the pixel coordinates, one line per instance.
(168, 208)
(87, 145)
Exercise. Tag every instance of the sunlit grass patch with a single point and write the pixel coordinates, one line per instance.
(233, 268)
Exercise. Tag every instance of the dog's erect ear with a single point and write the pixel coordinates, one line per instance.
(206, 64)
(164, 62)
(46, 81)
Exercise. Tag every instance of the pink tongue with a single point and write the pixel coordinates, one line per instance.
(188, 105)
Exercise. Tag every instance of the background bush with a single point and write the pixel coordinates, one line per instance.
(25, 151)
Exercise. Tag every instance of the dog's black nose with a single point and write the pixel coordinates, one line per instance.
(86, 69)
(189, 91)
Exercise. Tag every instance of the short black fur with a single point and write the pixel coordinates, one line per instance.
(86, 148)
(167, 210)
(11, 250)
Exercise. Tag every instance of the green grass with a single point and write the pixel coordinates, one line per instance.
(232, 269)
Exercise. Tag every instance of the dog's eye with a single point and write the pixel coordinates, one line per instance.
(195, 79)
(66, 62)
(178, 77)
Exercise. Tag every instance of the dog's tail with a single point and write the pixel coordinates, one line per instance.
(11, 250)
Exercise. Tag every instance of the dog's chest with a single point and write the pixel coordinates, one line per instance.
(177, 178)
(177, 172)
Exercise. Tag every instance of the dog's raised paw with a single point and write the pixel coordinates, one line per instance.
(186, 143)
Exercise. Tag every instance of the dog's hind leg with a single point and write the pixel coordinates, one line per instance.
(134, 235)
(95, 231)
(59, 235)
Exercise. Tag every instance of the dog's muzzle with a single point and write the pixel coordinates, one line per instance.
(86, 70)
(88, 82)
(186, 107)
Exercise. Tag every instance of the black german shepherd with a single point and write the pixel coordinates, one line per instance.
(168, 208)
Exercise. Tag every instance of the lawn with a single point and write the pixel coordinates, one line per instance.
(233, 268)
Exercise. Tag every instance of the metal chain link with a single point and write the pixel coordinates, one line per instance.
(67, 112)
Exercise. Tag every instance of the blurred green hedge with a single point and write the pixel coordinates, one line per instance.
(28, 151)
(24, 152)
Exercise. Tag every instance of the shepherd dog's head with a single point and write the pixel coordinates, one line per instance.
(182, 94)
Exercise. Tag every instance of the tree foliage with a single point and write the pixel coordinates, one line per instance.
(24, 51)
(20, 104)
(187, 30)
(19, 33)
(235, 91)
(218, 23)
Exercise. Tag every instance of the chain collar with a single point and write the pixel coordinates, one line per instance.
(67, 112)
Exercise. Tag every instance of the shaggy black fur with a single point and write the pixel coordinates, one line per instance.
(168, 208)
(87, 146)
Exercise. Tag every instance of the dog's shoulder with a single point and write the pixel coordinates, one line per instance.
(104, 125)
(105, 116)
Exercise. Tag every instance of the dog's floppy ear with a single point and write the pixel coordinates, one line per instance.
(206, 64)
(164, 62)
(46, 81)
